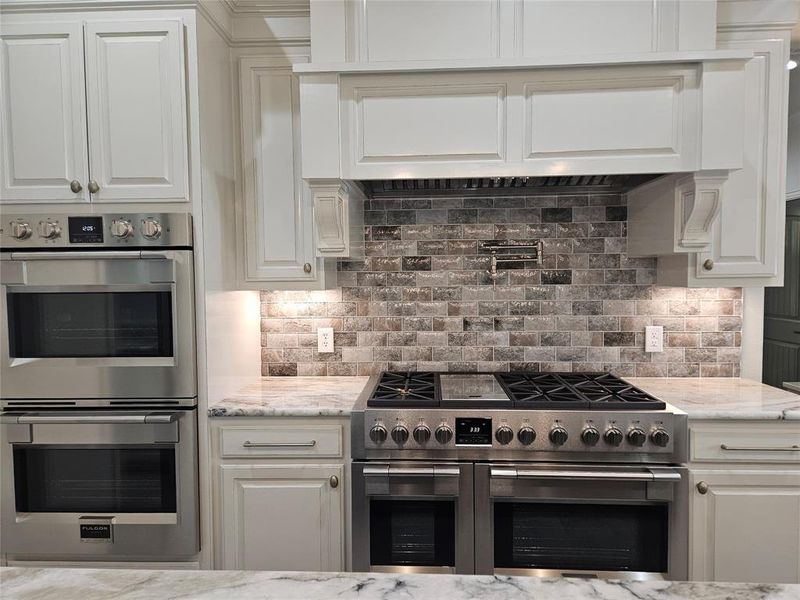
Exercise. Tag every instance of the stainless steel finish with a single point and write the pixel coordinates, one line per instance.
(334, 481)
(85, 255)
(577, 475)
(151, 229)
(702, 487)
(794, 448)
(400, 435)
(20, 230)
(249, 444)
(49, 230)
(136, 536)
(121, 228)
(580, 574)
(708, 264)
(422, 434)
(307, 268)
(75, 186)
(93, 187)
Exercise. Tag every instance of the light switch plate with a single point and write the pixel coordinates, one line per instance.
(654, 338)
(325, 340)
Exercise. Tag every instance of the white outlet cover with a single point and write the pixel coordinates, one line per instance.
(325, 340)
(654, 338)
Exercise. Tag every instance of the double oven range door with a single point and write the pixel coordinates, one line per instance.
(608, 521)
(97, 324)
(413, 517)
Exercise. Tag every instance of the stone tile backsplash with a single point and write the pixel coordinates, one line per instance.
(422, 298)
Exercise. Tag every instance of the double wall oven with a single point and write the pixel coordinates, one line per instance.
(99, 392)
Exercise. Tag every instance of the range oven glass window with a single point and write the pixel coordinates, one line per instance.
(90, 324)
(412, 533)
(591, 537)
(123, 479)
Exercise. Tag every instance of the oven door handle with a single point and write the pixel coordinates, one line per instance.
(370, 471)
(153, 418)
(576, 475)
(101, 255)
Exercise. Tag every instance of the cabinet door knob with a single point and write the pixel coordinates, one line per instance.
(307, 267)
(75, 186)
(93, 187)
(708, 264)
(702, 487)
(334, 481)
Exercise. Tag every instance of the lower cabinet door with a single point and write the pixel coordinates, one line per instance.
(282, 518)
(745, 526)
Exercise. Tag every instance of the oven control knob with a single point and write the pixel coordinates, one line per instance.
(49, 230)
(443, 434)
(121, 228)
(151, 229)
(20, 230)
(659, 437)
(504, 434)
(590, 436)
(378, 434)
(400, 434)
(422, 434)
(613, 436)
(526, 435)
(559, 436)
(637, 437)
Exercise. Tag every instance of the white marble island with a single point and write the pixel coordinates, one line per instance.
(105, 584)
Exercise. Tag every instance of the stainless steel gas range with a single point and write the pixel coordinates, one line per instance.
(539, 473)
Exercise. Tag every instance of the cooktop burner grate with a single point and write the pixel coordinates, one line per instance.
(406, 389)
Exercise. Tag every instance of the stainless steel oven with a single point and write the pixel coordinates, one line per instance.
(99, 484)
(628, 522)
(413, 517)
(105, 309)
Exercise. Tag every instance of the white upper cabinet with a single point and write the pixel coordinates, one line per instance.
(137, 123)
(43, 115)
(93, 111)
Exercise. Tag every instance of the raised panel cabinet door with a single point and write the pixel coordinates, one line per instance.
(136, 110)
(282, 518)
(746, 526)
(277, 219)
(42, 113)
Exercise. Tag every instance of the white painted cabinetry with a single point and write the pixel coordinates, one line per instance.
(745, 501)
(93, 111)
(280, 493)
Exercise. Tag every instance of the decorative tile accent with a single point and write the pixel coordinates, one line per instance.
(422, 299)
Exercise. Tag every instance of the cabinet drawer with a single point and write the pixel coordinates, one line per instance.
(766, 442)
(322, 441)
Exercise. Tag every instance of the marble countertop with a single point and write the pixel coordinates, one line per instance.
(292, 397)
(102, 584)
(722, 397)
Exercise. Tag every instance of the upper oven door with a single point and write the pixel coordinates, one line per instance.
(589, 520)
(97, 324)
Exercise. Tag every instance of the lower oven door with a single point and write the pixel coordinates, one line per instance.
(587, 521)
(103, 485)
(413, 517)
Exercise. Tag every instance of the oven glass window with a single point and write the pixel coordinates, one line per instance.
(412, 533)
(592, 537)
(95, 480)
(90, 324)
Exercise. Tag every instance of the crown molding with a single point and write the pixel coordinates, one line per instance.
(275, 8)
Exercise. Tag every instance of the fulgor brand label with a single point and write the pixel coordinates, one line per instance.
(96, 532)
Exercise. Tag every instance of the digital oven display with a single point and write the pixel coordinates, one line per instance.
(473, 432)
(85, 230)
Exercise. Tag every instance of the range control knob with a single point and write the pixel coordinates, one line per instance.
(422, 434)
(49, 230)
(590, 436)
(613, 436)
(637, 437)
(151, 229)
(504, 434)
(21, 230)
(378, 434)
(526, 435)
(659, 437)
(443, 434)
(121, 228)
(558, 435)
(400, 434)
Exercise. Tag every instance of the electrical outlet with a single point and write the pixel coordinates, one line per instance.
(654, 338)
(325, 339)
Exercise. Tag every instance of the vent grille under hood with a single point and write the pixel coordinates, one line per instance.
(506, 186)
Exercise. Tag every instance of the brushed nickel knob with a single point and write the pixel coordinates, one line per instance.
(21, 230)
(307, 267)
(49, 230)
(702, 487)
(334, 481)
(75, 186)
(708, 264)
(93, 187)
(151, 229)
(121, 228)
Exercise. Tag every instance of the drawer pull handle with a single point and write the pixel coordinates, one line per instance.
(249, 444)
(794, 448)
(702, 487)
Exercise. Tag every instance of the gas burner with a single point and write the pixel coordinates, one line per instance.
(405, 390)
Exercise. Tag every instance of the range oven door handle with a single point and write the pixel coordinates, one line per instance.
(385, 471)
(98, 255)
(38, 419)
(428, 481)
(576, 475)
